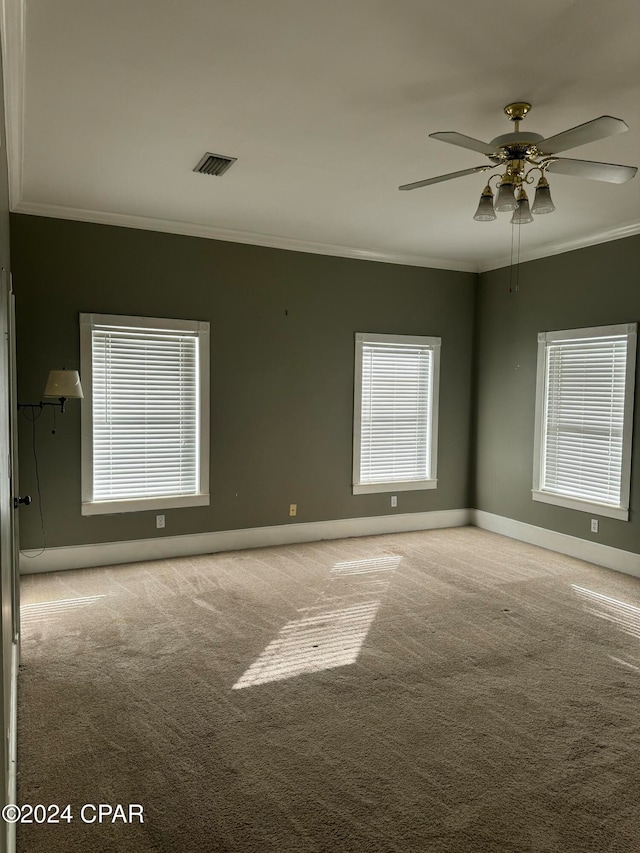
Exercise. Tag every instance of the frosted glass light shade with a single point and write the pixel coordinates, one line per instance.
(542, 202)
(522, 214)
(485, 211)
(505, 200)
(63, 383)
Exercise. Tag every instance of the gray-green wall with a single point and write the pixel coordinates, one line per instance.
(282, 345)
(282, 328)
(594, 286)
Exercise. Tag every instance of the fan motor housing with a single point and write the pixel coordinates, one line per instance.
(520, 139)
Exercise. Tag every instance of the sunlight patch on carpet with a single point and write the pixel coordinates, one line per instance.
(625, 616)
(44, 610)
(332, 631)
(625, 663)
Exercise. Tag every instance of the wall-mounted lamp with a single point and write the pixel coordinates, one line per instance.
(63, 384)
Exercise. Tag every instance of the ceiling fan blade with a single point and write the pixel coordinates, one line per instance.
(448, 177)
(463, 141)
(598, 128)
(609, 172)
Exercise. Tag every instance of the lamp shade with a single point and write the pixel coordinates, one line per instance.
(485, 211)
(505, 200)
(63, 383)
(522, 214)
(542, 202)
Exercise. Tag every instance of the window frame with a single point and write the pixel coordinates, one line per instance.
(430, 342)
(620, 511)
(201, 330)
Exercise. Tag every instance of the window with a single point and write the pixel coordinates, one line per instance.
(145, 416)
(395, 413)
(584, 411)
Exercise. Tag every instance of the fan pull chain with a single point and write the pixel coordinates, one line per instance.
(514, 268)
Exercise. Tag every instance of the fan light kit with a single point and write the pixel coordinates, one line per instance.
(523, 153)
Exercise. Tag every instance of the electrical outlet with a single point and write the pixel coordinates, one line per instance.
(394, 500)
(293, 509)
(594, 525)
(159, 521)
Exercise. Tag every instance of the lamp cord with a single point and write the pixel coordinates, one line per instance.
(34, 417)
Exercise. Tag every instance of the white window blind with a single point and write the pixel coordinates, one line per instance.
(585, 418)
(146, 414)
(396, 402)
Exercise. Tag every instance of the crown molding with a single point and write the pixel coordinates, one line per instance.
(210, 232)
(549, 249)
(13, 71)
(229, 235)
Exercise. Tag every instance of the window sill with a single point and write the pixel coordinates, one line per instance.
(143, 504)
(402, 486)
(621, 513)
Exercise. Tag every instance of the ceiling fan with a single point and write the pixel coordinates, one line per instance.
(524, 152)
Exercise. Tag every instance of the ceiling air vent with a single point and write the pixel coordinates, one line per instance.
(214, 164)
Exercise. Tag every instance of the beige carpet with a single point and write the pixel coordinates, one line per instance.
(446, 691)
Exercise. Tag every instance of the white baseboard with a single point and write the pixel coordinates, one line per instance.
(110, 553)
(138, 550)
(583, 549)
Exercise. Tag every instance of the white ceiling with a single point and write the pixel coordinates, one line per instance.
(327, 106)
